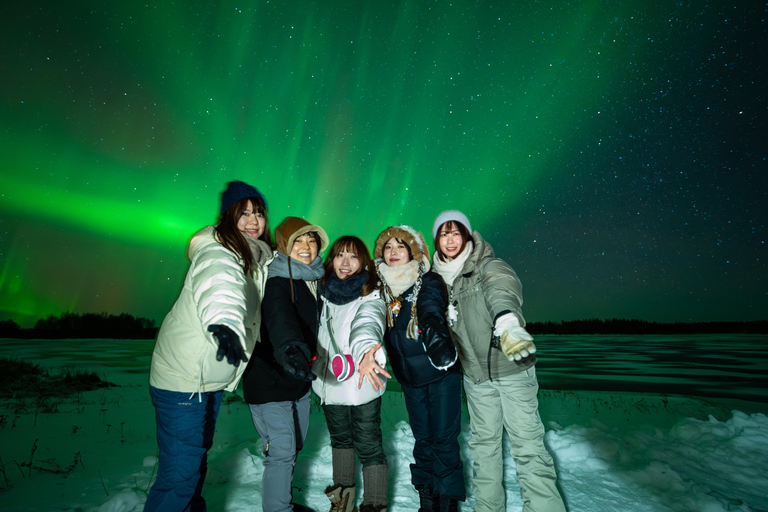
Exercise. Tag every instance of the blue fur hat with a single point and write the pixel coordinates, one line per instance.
(237, 190)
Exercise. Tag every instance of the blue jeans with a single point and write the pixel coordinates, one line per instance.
(185, 429)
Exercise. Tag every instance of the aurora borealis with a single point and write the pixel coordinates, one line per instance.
(614, 153)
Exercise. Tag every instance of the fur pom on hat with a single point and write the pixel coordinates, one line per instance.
(237, 190)
(447, 216)
(407, 234)
(292, 228)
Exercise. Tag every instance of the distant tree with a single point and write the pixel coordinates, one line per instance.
(623, 326)
(9, 329)
(94, 325)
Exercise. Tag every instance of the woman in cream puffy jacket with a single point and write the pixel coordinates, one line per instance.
(350, 374)
(209, 332)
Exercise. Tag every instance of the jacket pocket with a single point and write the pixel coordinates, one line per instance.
(216, 373)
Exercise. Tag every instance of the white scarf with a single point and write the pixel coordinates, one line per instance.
(396, 280)
(450, 270)
(399, 278)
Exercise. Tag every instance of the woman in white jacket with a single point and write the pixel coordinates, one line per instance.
(216, 316)
(351, 376)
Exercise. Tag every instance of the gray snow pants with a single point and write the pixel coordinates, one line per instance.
(283, 428)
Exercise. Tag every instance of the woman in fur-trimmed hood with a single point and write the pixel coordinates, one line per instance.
(423, 358)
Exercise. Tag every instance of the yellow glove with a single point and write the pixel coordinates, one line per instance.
(517, 344)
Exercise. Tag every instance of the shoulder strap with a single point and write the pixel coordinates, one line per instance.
(329, 324)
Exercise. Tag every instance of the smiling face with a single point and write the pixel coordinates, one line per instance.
(450, 240)
(346, 264)
(251, 222)
(305, 248)
(396, 253)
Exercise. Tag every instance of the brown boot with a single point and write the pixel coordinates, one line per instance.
(342, 498)
(376, 486)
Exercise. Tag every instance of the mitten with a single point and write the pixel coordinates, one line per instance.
(516, 343)
(296, 363)
(229, 344)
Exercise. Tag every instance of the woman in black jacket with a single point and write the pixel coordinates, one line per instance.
(277, 379)
(423, 358)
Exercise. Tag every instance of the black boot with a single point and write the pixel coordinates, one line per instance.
(446, 504)
(427, 499)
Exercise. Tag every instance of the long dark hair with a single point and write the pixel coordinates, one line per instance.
(230, 237)
(356, 246)
(452, 225)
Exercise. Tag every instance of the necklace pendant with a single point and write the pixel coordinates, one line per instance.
(395, 306)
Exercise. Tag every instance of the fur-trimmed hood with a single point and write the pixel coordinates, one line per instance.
(414, 239)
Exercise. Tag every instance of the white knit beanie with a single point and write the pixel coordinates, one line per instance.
(450, 215)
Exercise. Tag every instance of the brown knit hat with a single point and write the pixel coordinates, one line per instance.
(292, 228)
(407, 234)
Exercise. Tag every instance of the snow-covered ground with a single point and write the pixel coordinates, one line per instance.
(615, 451)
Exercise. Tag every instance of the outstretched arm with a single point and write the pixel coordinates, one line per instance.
(504, 298)
(365, 338)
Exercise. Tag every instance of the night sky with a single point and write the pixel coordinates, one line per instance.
(614, 153)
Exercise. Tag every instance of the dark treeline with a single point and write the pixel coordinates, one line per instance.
(124, 326)
(622, 326)
(88, 325)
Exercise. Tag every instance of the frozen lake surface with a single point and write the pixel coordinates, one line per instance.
(715, 366)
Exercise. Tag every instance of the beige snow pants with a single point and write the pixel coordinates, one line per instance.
(510, 403)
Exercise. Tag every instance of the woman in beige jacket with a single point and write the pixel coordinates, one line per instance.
(497, 358)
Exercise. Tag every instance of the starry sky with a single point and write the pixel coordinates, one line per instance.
(614, 153)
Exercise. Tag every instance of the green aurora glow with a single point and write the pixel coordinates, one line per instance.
(589, 142)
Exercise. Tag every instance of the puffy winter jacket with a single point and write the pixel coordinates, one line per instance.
(486, 289)
(407, 356)
(216, 291)
(357, 327)
(285, 324)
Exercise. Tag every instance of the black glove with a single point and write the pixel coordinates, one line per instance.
(229, 344)
(295, 362)
(438, 343)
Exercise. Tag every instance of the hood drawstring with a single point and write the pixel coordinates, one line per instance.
(290, 278)
(199, 381)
